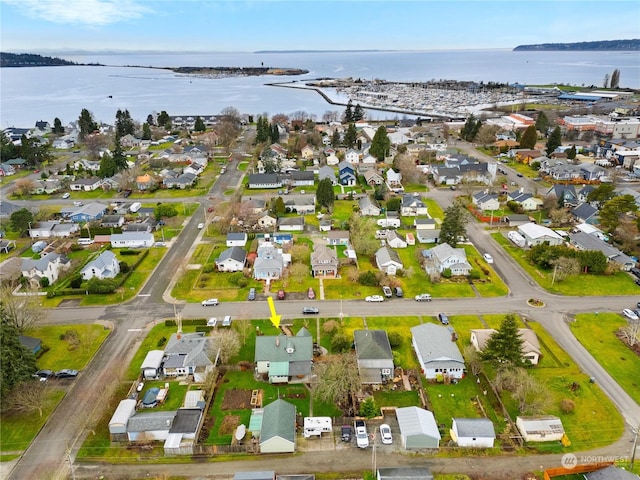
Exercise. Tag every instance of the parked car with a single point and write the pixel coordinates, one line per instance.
(362, 437)
(487, 258)
(140, 387)
(43, 375)
(423, 297)
(387, 291)
(345, 433)
(212, 322)
(66, 195)
(200, 226)
(78, 203)
(374, 298)
(281, 294)
(66, 373)
(443, 318)
(252, 294)
(399, 292)
(310, 310)
(311, 294)
(385, 434)
(635, 271)
(630, 314)
(211, 302)
(519, 175)
(226, 321)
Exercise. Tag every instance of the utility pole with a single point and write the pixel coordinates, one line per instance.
(633, 449)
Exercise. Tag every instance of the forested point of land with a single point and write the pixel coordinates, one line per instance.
(30, 60)
(620, 45)
(249, 71)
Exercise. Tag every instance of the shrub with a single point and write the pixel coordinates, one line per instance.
(96, 285)
(446, 273)
(474, 274)
(208, 268)
(567, 405)
(44, 282)
(124, 267)
(395, 339)
(340, 343)
(330, 327)
(368, 408)
(76, 281)
(368, 279)
(129, 252)
(161, 341)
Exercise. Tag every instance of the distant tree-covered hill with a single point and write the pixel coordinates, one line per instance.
(30, 60)
(633, 44)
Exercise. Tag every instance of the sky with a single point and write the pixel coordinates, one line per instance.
(41, 26)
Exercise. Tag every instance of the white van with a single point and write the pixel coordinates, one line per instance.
(226, 321)
(85, 241)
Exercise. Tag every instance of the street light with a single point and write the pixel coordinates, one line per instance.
(374, 459)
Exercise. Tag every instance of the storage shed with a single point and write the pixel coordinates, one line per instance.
(404, 473)
(545, 428)
(418, 428)
(118, 423)
(151, 364)
(473, 432)
(278, 434)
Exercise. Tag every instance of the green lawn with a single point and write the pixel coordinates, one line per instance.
(619, 283)
(597, 334)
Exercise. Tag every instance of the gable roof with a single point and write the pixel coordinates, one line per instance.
(404, 473)
(372, 345)
(417, 421)
(191, 346)
(475, 427)
(282, 348)
(436, 347)
(279, 420)
(238, 254)
(150, 421)
(611, 473)
(385, 255)
(530, 342)
(103, 261)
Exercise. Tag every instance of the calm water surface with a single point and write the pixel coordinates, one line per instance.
(31, 94)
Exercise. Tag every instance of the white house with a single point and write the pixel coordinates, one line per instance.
(232, 260)
(52, 229)
(535, 234)
(368, 207)
(437, 351)
(395, 240)
(546, 428)
(48, 266)
(236, 239)
(412, 205)
(105, 266)
(388, 261)
(132, 240)
(473, 432)
(445, 256)
(486, 201)
(266, 221)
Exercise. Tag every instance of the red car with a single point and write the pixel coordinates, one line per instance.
(281, 294)
(311, 294)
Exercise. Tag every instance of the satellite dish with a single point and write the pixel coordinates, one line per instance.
(241, 431)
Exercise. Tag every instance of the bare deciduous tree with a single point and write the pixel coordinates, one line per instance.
(473, 358)
(23, 311)
(407, 167)
(29, 397)
(23, 187)
(229, 345)
(338, 381)
(565, 266)
(630, 333)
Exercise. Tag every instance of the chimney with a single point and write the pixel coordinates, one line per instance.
(278, 341)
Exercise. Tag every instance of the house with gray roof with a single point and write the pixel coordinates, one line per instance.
(7, 208)
(565, 193)
(338, 237)
(183, 432)
(535, 234)
(418, 428)
(264, 180)
(85, 184)
(106, 265)
(301, 204)
(374, 355)
(368, 207)
(388, 261)
(291, 224)
(437, 351)
(232, 259)
(236, 239)
(188, 354)
(48, 266)
(112, 221)
(283, 358)
(120, 418)
(269, 262)
(278, 432)
(373, 177)
(585, 241)
(412, 205)
(543, 428)
(327, 172)
(611, 473)
(585, 213)
(396, 240)
(473, 432)
(444, 256)
(486, 201)
(181, 181)
(299, 179)
(150, 426)
(52, 229)
(324, 262)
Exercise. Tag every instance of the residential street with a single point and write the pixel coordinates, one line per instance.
(70, 423)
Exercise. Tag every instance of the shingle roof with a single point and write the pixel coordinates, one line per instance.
(475, 427)
(149, 421)
(436, 347)
(238, 254)
(279, 420)
(372, 344)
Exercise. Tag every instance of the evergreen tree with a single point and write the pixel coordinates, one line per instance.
(324, 193)
(150, 120)
(454, 224)
(108, 167)
(86, 124)
(347, 117)
(279, 208)
(615, 79)
(358, 113)
(350, 136)
(466, 133)
(146, 131)
(124, 123)
(505, 345)
(18, 363)
(118, 155)
(58, 129)
(33, 152)
(262, 130)
(601, 194)
(571, 153)
(274, 133)
(554, 141)
(542, 123)
(164, 120)
(613, 209)
(380, 144)
(199, 125)
(20, 220)
(335, 138)
(7, 149)
(529, 137)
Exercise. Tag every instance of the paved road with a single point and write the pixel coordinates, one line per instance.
(68, 425)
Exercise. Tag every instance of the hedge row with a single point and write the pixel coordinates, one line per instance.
(187, 321)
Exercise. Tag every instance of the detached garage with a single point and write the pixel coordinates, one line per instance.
(418, 428)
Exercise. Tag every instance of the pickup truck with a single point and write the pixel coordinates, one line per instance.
(362, 437)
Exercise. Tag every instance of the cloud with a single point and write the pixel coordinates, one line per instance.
(89, 12)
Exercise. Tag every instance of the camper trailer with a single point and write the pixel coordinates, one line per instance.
(516, 238)
(316, 426)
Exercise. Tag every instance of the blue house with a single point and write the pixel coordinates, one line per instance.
(347, 174)
(85, 213)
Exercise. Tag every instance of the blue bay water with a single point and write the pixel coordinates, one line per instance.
(43, 93)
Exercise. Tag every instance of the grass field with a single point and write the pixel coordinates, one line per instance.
(596, 333)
